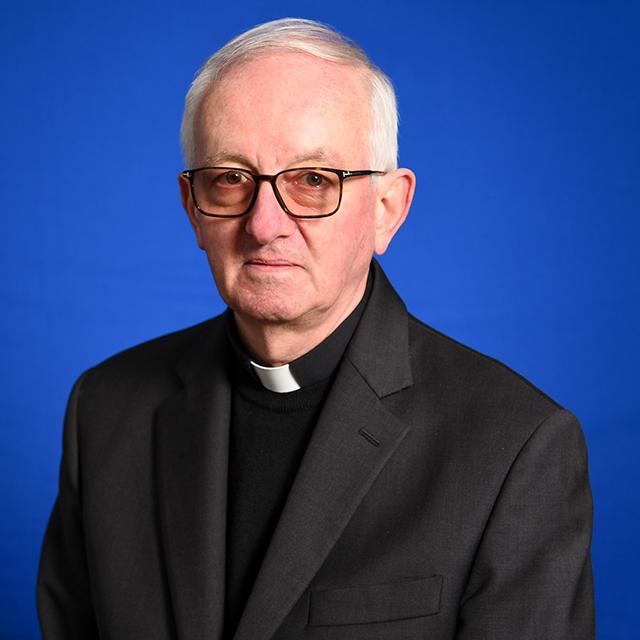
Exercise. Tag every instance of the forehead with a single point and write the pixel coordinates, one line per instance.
(280, 104)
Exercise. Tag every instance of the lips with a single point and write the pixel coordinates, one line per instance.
(270, 262)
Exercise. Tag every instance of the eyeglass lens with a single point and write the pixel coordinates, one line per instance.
(229, 192)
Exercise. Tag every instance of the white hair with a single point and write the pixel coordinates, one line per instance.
(316, 39)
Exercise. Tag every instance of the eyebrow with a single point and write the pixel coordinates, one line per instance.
(316, 156)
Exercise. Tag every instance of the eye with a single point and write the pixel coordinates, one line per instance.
(314, 180)
(232, 177)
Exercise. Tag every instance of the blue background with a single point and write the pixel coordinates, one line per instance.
(522, 122)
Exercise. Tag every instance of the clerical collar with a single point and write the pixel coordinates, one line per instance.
(314, 366)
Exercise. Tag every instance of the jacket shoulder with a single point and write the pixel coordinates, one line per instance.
(470, 383)
(153, 361)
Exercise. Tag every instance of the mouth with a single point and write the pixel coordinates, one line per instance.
(270, 263)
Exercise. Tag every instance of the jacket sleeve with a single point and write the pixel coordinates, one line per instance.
(63, 589)
(531, 577)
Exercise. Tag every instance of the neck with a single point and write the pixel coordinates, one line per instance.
(275, 344)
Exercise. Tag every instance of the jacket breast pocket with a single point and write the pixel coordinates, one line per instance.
(376, 603)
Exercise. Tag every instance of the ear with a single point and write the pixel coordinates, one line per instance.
(190, 207)
(394, 199)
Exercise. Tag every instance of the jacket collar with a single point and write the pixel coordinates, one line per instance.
(379, 349)
(191, 444)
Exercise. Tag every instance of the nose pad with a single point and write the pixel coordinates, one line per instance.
(267, 220)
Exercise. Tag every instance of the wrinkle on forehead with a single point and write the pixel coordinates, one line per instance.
(317, 158)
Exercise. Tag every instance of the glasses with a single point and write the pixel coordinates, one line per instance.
(305, 192)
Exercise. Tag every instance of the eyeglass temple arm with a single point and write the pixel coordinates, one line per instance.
(364, 172)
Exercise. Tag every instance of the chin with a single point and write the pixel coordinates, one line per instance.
(268, 308)
(271, 300)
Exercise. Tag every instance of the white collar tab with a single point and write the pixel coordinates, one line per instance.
(278, 379)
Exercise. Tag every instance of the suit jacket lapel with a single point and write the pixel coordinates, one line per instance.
(191, 454)
(354, 438)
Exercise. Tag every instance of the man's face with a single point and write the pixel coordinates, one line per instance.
(279, 111)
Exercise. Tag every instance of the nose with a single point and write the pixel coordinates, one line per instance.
(267, 220)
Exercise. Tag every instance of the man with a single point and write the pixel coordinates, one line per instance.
(314, 463)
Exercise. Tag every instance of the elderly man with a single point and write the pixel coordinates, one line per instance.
(316, 462)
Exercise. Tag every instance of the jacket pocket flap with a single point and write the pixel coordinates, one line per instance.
(376, 603)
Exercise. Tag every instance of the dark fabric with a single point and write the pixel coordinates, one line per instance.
(428, 459)
(269, 433)
(377, 603)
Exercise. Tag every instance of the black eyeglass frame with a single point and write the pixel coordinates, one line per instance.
(343, 174)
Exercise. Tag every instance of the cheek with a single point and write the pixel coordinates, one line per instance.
(343, 253)
(220, 236)
(219, 243)
(358, 233)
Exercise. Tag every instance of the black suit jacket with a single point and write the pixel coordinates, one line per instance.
(441, 496)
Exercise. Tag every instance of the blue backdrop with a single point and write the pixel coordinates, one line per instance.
(522, 122)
